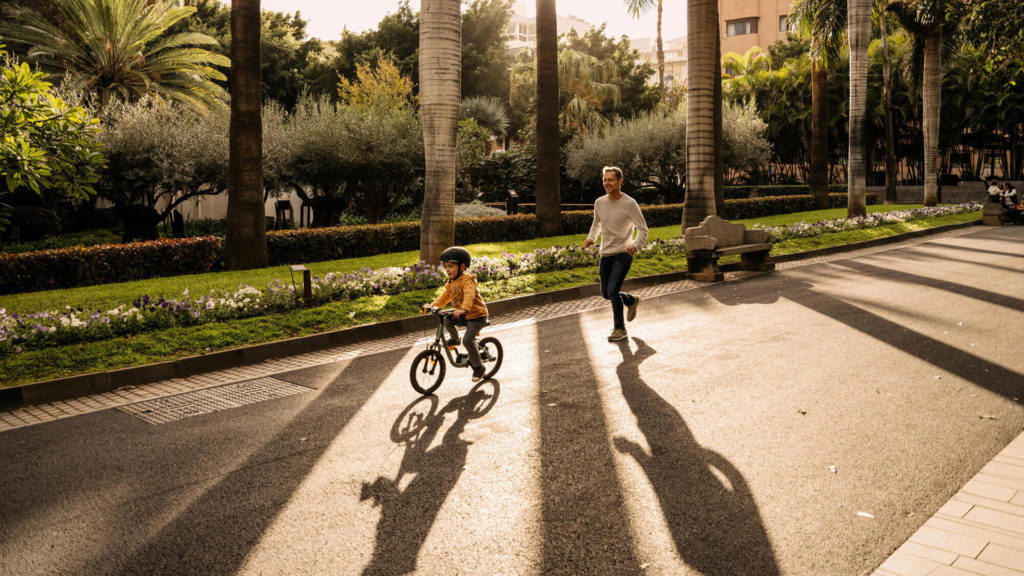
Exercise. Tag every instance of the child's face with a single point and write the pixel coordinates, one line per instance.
(452, 269)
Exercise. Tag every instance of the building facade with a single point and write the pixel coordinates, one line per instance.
(522, 26)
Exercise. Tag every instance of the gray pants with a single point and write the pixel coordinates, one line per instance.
(473, 328)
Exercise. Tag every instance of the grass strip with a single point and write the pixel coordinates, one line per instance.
(162, 345)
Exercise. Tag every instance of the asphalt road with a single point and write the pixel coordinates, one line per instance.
(801, 422)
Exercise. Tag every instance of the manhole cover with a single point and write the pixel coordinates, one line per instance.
(171, 408)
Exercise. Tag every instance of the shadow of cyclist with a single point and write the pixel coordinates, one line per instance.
(713, 518)
(407, 515)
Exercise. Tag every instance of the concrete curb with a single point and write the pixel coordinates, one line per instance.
(98, 382)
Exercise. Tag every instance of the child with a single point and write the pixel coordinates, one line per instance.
(470, 310)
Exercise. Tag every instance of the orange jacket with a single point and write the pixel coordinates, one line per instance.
(463, 295)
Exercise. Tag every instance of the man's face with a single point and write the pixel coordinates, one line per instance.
(451, 269)
(611, 182)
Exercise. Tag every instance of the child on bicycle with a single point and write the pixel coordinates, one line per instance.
(470, 310)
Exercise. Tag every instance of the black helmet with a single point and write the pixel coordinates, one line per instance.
(456, 254)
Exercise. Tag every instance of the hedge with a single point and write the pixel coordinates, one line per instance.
(85, 266)
(732, 192)
(70, 267)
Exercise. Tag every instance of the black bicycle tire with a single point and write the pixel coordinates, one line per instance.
(424, 355)
(501, 355)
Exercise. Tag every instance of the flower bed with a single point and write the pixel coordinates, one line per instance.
(805, 230)
(54, 328)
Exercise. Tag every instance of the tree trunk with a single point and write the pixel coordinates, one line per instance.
(719, 135)
(931, 93)
(890, 138)
(661, 60)
(860, 36)
(549, 201)
(245, 239)
(817, 176)
(703, 66)
(440, 90)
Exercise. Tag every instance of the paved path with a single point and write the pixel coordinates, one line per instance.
(808, 421)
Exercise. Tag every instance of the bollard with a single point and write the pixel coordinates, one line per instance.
(307, 284)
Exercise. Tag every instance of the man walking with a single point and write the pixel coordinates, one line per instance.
(616, 216)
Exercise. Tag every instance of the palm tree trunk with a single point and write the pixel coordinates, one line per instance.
(931, 93)
(890, 137)
(817, 176)
(661, 59)
(719, 135)
(549, 202)
(703, 66)
(859, 18)
(440, 90)
(245, 238)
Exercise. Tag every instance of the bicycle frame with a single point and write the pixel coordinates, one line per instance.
(439, 340)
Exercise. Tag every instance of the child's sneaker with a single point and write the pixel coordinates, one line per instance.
(631, 311)
(478, 373)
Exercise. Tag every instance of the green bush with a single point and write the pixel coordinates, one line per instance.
(85, 266)
(122, 262)
(34, 222)
(732, 192)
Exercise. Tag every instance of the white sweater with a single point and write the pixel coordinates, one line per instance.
(614, 221)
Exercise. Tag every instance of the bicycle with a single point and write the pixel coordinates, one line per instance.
(428, 368)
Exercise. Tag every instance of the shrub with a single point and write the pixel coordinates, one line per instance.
(121, 262)
(777, 190)
(34, 222)
(84, 266)
(476, 209)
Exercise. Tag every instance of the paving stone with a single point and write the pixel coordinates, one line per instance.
(984, 568)
(956, 543)
(1002, 556)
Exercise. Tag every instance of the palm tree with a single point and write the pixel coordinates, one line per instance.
(702, 75)
(824, 21)
(890, 138)
(636, 7)
(549, 201)
(859, 17)
(440, 91)
(584, 82)
(488, 111)
(118, 49)
(245, 239)
(927, 22)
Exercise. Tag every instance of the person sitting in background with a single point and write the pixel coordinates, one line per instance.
(994, 191)
(1011, 201)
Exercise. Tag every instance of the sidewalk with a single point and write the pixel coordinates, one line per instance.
(979, 531)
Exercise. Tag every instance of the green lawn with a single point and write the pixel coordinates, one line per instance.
(107, 296)
(34, 365)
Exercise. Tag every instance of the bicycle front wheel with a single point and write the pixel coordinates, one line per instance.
(427, 371)
(491, 354)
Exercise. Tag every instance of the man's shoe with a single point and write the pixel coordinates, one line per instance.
(452, 342)
(631, 311)
(617, 334)
(478, 374)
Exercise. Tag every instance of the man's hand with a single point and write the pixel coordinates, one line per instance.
(458, 314)
(588, 243)
(631, 250)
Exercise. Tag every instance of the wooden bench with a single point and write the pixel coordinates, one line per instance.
(716, 237)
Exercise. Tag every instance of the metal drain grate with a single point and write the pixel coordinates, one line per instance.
(171, 408)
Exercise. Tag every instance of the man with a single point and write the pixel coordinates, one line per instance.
(616, 215)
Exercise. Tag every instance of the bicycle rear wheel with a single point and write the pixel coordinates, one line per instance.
(427, 371)
(491, 354)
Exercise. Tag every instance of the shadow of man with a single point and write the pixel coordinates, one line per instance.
(407, 515)
(706, 502)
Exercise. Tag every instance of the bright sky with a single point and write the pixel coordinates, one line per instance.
(327, 18)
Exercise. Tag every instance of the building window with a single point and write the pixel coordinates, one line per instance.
(740, 27)
(783, 24)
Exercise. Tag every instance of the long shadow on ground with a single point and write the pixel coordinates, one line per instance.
(585, 527)
(215, 534)
(715, 524)
(407, 515)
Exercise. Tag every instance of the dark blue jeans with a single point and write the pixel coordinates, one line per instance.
(613, 272)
